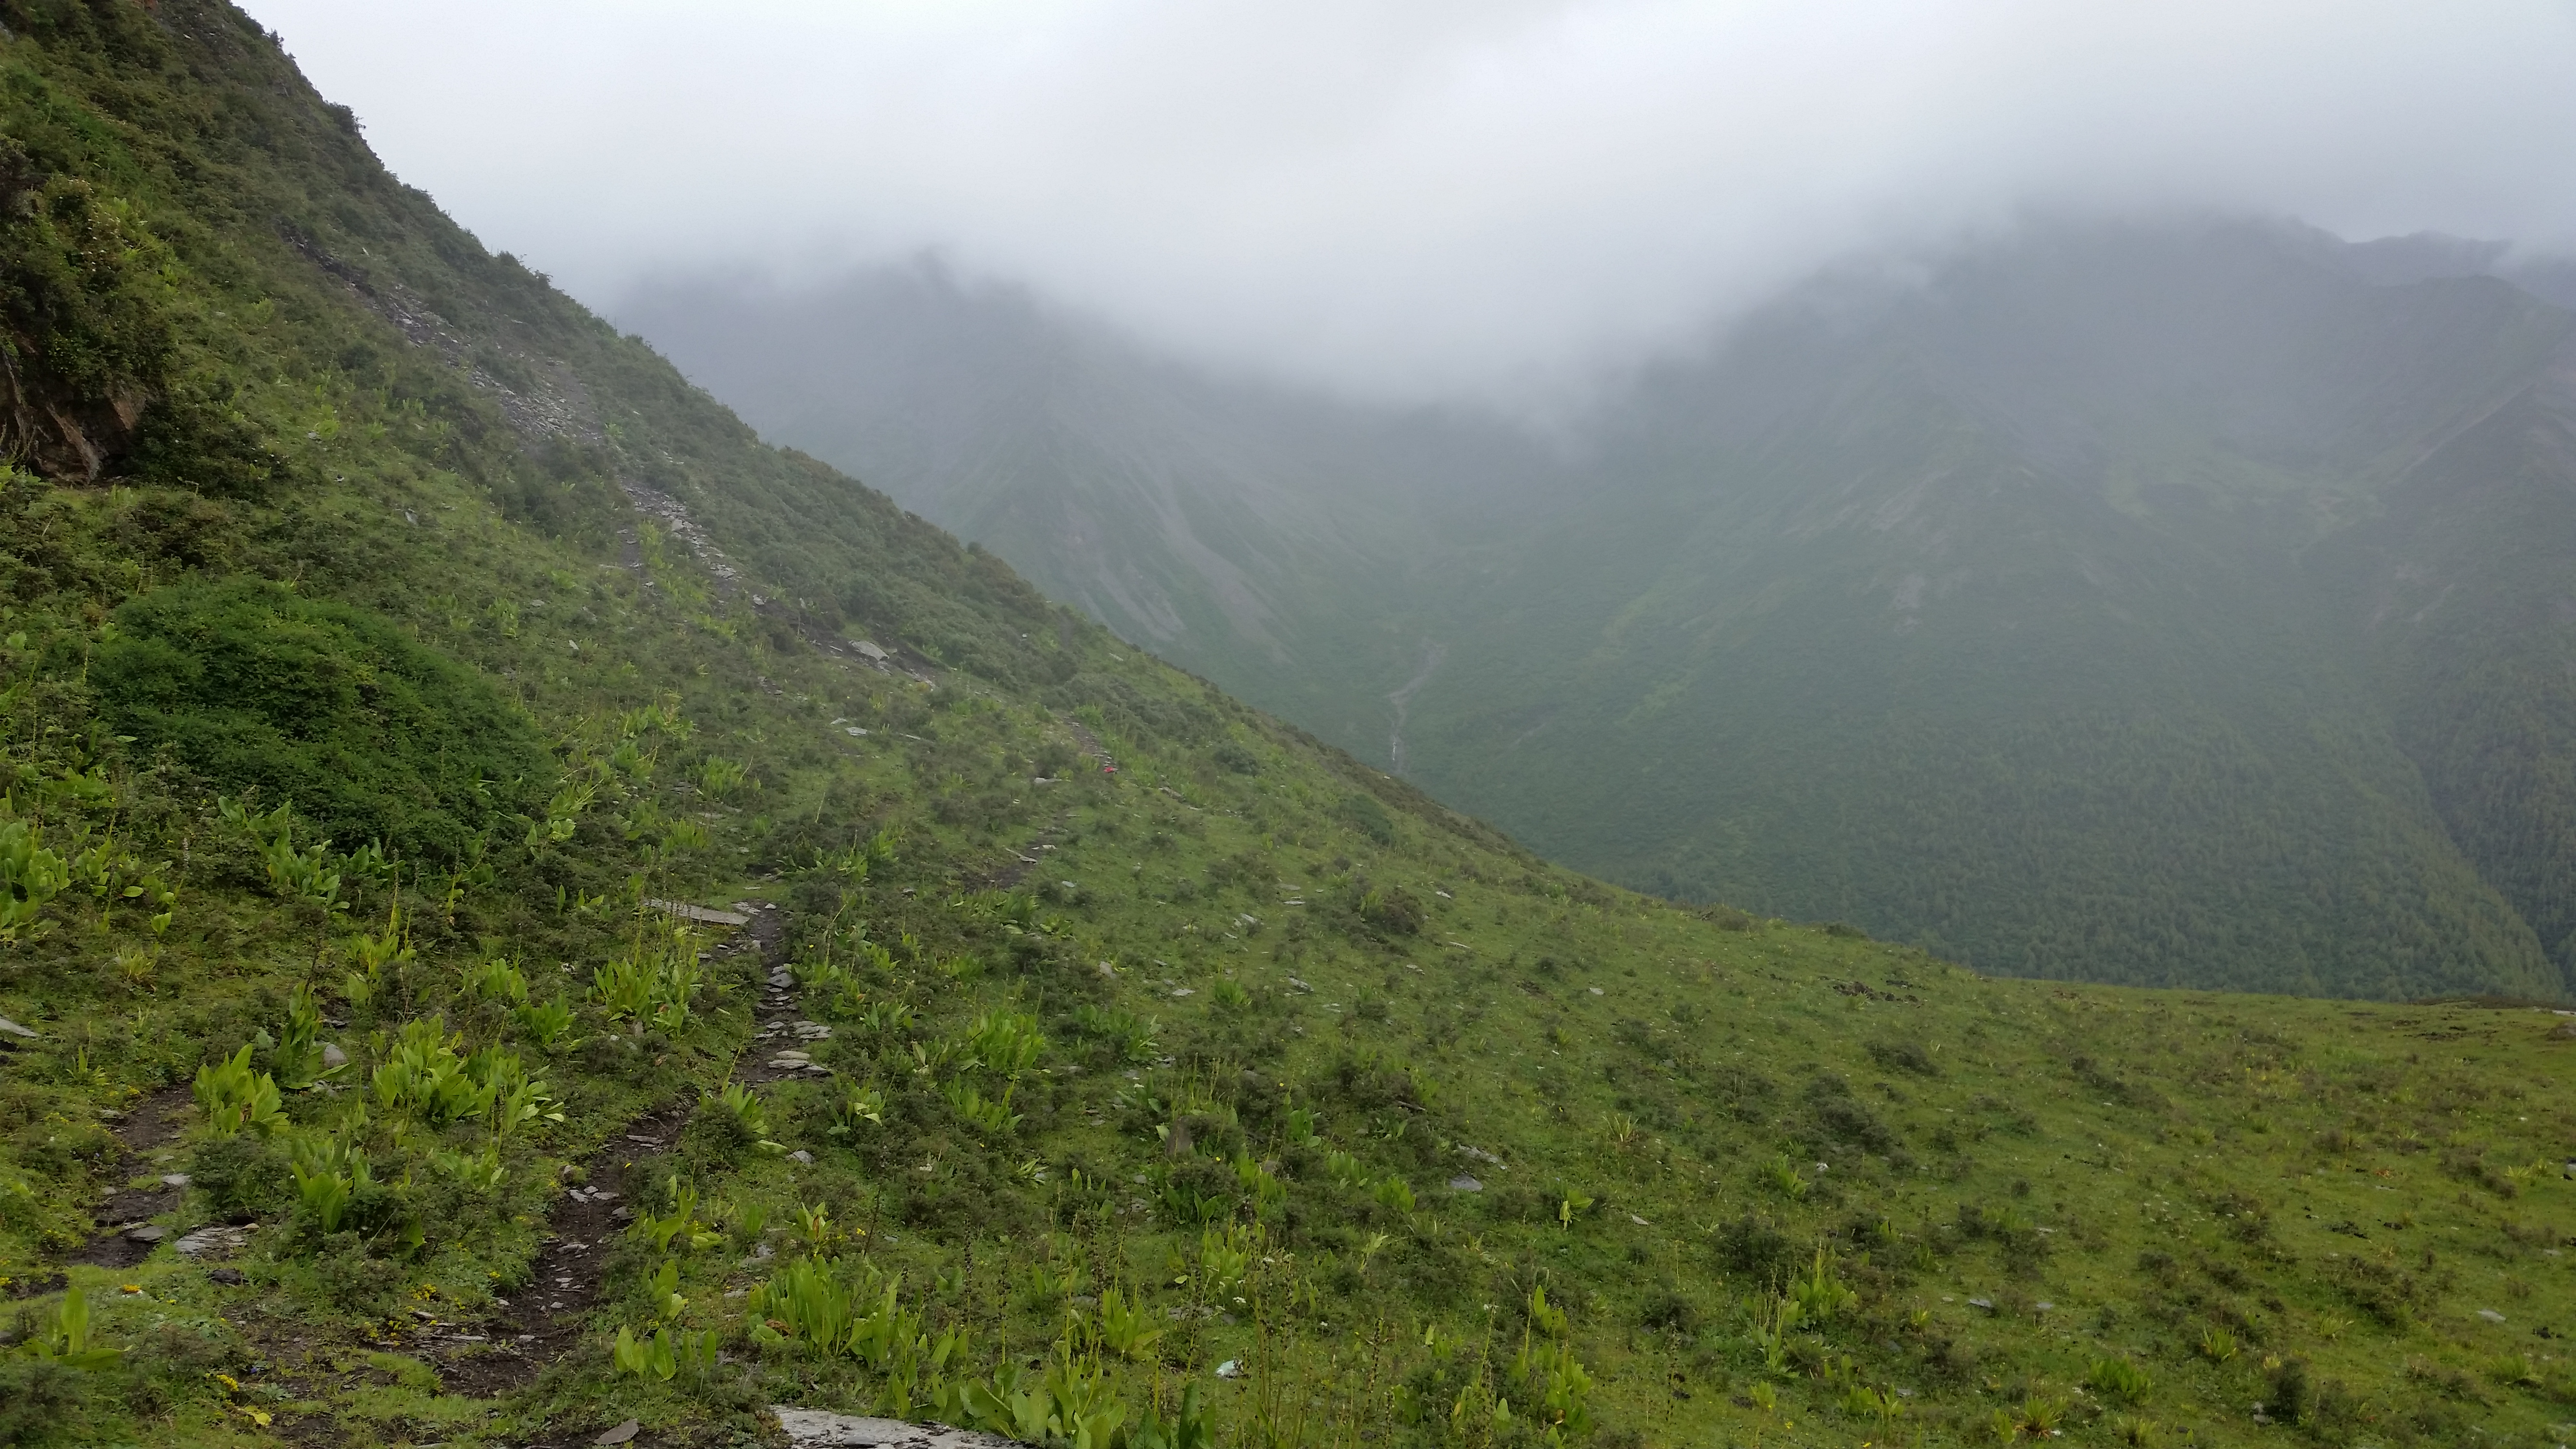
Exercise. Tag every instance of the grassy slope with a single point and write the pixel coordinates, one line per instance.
(1647, 1090)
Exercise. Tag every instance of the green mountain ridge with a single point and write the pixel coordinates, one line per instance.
(2459, 590)
(535, 918)
(2096, 733)
(2008, 607)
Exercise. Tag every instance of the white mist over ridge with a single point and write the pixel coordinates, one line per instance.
(1439, 200)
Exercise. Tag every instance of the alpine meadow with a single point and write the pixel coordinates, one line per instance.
(534, 917)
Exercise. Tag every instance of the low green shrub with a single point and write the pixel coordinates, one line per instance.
(373, 735)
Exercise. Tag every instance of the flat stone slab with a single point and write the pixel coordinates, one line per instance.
(703, 914)
(823, 1429)
(215, 1242)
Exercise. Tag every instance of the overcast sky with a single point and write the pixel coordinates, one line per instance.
(1418, 198)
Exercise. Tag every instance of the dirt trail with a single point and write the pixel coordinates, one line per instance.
(546, 1316)
(549, 1316)
(1027, 858)
(123, 1233)
(1030, 856)
(126, 1235)
(1090, 742)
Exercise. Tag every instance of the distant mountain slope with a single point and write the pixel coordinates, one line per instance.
(1250, 532)
(2465, 587)
(1986, 617)
(1159, 525)
(2008, 606)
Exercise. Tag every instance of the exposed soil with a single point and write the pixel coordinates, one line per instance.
(549, 1314)
(1090, 742)
(153, 1122)
(548, 1317)
(543, 1320)
(1029, 857)
(311, 1431)
(38, 1283)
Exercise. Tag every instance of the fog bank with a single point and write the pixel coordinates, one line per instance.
(1437, 199)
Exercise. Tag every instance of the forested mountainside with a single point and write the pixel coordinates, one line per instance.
(2462, 590)
(2043, 565)
(2045, 607)
(535, 919)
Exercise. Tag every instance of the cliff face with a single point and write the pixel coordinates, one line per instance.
(85, 349)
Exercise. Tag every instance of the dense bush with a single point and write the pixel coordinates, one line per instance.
(37, 1399)
(1371, 818)
(372, 735)
(243, 1177)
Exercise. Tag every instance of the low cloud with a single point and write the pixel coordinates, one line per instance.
(1439, 198)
